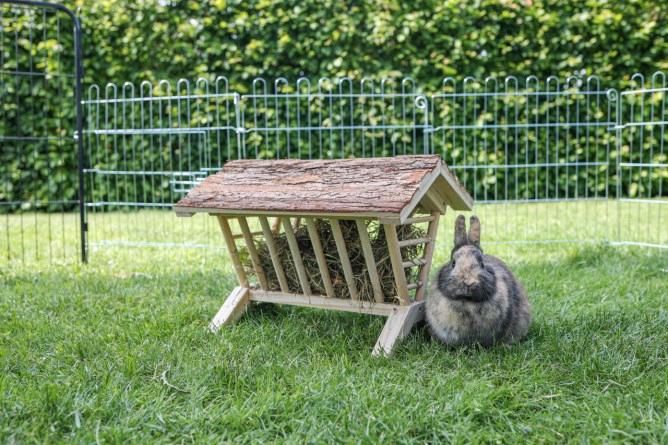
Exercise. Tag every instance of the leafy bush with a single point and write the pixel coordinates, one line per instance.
(426, 40)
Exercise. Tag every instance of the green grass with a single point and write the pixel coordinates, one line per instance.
(118, 351)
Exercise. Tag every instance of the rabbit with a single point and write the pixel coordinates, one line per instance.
(476, 299)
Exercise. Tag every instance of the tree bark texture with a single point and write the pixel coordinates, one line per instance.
(371, 185)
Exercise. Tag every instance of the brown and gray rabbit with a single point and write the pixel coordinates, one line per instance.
(476, 299)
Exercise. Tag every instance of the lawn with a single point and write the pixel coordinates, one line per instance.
(118, 351)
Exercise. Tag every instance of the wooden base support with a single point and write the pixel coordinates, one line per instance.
(400, 321)
(397, 327)
(232, 309)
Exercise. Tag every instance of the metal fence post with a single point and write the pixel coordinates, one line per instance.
(78, 131)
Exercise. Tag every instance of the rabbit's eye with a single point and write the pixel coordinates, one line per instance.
(453, 263)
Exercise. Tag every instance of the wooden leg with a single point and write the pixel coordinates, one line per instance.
(397, 327)
(232, 309)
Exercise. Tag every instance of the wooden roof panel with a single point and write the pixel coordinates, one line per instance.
(366, 186)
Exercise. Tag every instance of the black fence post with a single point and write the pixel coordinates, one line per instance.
(78, 133)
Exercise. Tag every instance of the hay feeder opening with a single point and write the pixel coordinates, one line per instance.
(352, 235)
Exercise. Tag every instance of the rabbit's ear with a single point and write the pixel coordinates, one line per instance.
(474, 231)
(460, 231)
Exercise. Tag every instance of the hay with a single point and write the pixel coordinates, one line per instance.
(355, 253)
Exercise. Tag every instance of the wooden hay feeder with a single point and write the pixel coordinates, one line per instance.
(268, 201)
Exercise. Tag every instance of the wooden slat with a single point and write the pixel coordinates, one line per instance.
(417, 220)
(395, 258)
(276, 225)
(432, 232)
(232, 309)
(412, 286)
(322, 302)
(241, 235)
(273, 252)
(438, 192)
(252, 252)
(413, 242)
(413, 263)
(345, 260)
(457, 196)
(320, 256)
(370, 260)
(433, 200)
(296, 256)
(232, 249)
(390, 218)
(416, 199)
(397, 327)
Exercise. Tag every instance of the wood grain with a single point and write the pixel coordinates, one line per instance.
(378, 185)
(371, 266)
(232, 249)
(397, 263)
(321, 302)
(296, 256)
(320, 256)
(341, 248)
(397, 327)
(273, 253)
(428, 255)
(252, 252)
(232, 309)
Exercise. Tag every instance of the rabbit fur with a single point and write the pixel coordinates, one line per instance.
(476, 298)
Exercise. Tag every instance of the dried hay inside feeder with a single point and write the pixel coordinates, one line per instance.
(362, 280)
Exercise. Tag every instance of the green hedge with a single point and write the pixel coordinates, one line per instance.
(427, 40)
(37, 153)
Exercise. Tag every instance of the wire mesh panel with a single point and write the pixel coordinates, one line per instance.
(642, 163)
(547, 161)
(39, 217)
(334, 118)
(539, 151)
(147, 145)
